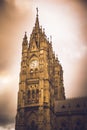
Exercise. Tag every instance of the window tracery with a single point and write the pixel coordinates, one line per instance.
(33, 94)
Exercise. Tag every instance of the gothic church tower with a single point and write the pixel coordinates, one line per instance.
(41, 83)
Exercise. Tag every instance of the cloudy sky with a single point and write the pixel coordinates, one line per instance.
(65, 20)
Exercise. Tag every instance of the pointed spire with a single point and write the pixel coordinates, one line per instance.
(37, 20)
(37, 11)
(25, 41)
(50, 39)
(57, 57)
(25, 36)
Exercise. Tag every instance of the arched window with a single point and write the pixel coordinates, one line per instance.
(31, 71)
(33, 94)
(28, 93)
(36, 70)
(64, 126)
(76, 128)
(37, 92)
(37, 95)
(33, 126)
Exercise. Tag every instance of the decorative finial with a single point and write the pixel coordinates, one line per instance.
(41, 27)
(37, 11)
(56, 55)
(50, 38)
(25, 36)
(44, 30)
(25, 33)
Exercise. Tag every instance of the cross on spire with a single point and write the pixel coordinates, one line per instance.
(37, 11)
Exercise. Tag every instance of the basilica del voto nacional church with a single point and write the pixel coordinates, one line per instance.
(42, 104)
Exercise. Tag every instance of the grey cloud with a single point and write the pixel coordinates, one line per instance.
(81, 76)
(11, 20)
(6, 23)
(84, 2)
(7, 107)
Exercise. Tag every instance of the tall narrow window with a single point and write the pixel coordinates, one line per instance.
(28, 93)
(33, 94)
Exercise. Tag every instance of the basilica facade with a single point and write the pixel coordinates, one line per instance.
(42, 104)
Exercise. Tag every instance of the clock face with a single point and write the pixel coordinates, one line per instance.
(34, 64)
(41, 51)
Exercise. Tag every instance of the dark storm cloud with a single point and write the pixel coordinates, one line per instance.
(7, 15)
(84, 2)
(6, 120)
(5, 7)
(7, 106)
(3, 4)
(11, 20)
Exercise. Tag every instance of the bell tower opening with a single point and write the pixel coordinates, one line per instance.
(32, 126)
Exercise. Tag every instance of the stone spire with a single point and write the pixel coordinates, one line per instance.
(37, 20)
(25, 39)
(25, 36)
(24, 43)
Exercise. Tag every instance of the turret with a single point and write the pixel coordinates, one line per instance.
(24, 47)
(22, 82)
(24, 57)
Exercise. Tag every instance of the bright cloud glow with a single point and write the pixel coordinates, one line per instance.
(24, 4)
(8, 127)
(1, 128)
(5, 80)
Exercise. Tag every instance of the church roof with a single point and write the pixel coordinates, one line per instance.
(71, 105)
